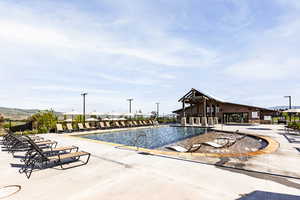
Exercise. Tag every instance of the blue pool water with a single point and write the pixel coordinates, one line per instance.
(150, 138)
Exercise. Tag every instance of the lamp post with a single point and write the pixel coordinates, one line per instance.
(84, 94)
(290, 105)
(72, 114)
(130, 100)
(157, 109)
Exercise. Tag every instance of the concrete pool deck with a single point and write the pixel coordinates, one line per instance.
(115, 172)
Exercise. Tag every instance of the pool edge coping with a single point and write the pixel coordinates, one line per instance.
(272, 146)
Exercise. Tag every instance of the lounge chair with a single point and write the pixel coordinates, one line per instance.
(80, 127)
(140, 123)
(217, 143)
(42, 159)
(135, 123)
(70, 127)
(59, 128)
(155, 123)
(9, 137)
(123, 124)
(102, 125)
(192, 148)
(107, 125)
(87, 126)
(130, 124)
(20, 143)
(146, 123)
(117, 124)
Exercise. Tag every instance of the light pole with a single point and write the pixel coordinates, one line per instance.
(290, 105)
(130, 100)
(157, 109)
(84, 94)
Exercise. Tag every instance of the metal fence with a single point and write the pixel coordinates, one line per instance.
(22, 127)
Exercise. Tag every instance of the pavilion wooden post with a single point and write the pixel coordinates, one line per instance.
(183, 118)
(204, 119)
(183, 107)
(204, 106)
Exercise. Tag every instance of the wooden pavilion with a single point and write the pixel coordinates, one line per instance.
(200, 108)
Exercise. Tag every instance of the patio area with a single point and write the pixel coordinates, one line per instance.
(119, 173)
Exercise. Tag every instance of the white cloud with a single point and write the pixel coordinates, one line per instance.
(143, 50)
(272, 55)
(265, 69)
(159, 47)
(57, 88)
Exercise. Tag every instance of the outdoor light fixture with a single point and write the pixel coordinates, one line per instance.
(290, 105)
(84, 94)
(130, 100)
(157, 109)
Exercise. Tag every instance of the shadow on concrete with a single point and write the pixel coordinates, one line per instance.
(291, 139)
(298, 149)
(262, 195)
(260, 129)
(240, 124)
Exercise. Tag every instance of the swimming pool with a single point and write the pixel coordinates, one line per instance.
(150, 138)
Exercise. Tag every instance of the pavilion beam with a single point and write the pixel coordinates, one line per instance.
(204, 106)
(183, 107)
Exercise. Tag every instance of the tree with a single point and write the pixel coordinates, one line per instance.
(44, 120)
(78, 119)
(1, 121)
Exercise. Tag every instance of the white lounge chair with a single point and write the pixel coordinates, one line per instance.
(178, 148)
(87, 126)
(80, 126)
(59, 128)
(217, 143)
(69, 127)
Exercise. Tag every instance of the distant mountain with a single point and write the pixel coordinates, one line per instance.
(19, 114)
(283, 107)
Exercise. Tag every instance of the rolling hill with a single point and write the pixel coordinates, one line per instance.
(18, 114)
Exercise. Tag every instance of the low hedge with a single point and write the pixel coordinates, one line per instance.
(294, 125)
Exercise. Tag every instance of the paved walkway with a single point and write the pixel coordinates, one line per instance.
(116, 173)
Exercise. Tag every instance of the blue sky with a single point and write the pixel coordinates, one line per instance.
(153, 51)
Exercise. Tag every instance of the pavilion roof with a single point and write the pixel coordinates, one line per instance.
(197, 93)
(190, 96)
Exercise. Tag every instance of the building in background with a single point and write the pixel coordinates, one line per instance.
(197, 104)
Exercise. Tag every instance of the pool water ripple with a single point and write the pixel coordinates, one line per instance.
(150, 138)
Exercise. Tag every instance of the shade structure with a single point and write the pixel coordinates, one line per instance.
(143, 114)
(73, 113)
(114, 114)
(292, 111)
(106, 119)
(118, 119)
(91, 120)
(128, 114)
(96, 113)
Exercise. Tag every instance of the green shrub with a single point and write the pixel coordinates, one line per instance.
(78, 119)
(294, 125)
(44, 121)
(6, 126)
(1, 120)
(166, 120)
